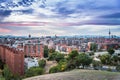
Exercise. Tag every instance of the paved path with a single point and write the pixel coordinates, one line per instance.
(49, 64)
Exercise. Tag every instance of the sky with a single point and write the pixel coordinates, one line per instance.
(59, 17)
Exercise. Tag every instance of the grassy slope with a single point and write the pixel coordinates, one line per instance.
(79, 75)
(1, 78)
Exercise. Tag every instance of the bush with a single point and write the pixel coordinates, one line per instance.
(52, 56)
(54, 69)
(34, 71)
(118, 68)
(59, 57)
(42, 63)
(109, 69)
(96, 64)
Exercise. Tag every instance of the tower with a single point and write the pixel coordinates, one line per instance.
(109, 33)
(29, 36)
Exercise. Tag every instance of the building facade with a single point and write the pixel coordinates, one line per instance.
(13, 58)
(34, 50)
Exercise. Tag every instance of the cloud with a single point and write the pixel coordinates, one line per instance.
(62, 17)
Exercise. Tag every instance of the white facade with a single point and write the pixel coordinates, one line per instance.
(31, 62)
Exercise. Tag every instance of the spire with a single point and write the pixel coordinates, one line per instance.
(109, 33)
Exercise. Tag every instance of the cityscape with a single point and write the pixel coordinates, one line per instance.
(59, 40)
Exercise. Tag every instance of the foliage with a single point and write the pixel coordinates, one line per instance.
(118, 68)
(111, 51)
(9, 76)
(52, 56)
(46, 51)
(34, 71)
(7, 73)
(115, 60)
(59, 57)
(1, 64)
(83, 60)
(56, 56)
(96, 64)
(91, 53)
(105, 59)
(62, 66)
(71, 64)
(51, 50)
(42, 63)
(54, 69)
(73, 54)
(93, 47)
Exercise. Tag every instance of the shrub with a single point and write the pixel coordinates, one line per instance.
(96, 64)
(118, 68)
(42, 63)
(59, 57)
(54, 69)
(34, 71)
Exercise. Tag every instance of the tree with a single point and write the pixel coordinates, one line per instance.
(96, 64)
(73, 54)
(105, 59)
(42, 63)
(51, 50)
(83, 60)
(115, 60)
(111, 51)
(46, 51)
(118, 68)
(52, 56)
(93, 47)
(59, 57)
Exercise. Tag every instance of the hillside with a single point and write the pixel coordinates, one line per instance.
(79, 75)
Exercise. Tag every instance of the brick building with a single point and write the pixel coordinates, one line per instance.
(34, 50)
(13, 58)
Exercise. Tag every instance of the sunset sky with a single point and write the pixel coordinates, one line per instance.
(60, 17)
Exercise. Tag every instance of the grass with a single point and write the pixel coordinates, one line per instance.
(78, 74)
(1, 77)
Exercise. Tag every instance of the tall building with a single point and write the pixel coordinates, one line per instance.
(13, 58)
(109, 34)
(33, 50)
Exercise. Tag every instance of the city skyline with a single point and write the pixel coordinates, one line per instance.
(60, 17)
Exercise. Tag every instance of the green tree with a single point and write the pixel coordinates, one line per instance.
(42, 63)
(111, 51)
(46, 51)
(59, 57)
(115, 60)
(105, 59)
(73, 54)
(83, 60)
(118, 68)
(52, 56)
(72, 59)
(96, 64)
(93, 47)
(34, 71)
(51, 50)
